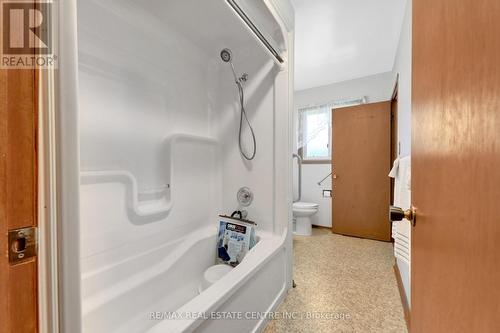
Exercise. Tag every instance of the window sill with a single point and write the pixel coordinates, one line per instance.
(316, 161)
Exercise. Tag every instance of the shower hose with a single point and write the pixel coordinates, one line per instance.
(243, 113)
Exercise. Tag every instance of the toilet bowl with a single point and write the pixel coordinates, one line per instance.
(213, 274)
(302, 213)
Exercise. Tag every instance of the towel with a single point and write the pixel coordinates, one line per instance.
(401, 230)
(395, 167)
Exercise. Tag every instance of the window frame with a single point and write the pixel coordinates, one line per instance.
(302, 151)
(342, 103)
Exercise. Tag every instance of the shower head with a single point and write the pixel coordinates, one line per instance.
(226, 55)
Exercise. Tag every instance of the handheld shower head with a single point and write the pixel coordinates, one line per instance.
(226, 55)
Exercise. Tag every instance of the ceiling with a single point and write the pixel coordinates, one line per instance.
(339, 40)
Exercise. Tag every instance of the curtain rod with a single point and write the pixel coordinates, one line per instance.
(339, 102)
(255, 30)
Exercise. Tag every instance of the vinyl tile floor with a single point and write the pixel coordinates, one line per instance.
(344, 284)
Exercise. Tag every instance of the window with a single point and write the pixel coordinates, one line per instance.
(315, 130)
(315, 133)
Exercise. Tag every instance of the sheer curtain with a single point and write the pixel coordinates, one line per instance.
(313, 121)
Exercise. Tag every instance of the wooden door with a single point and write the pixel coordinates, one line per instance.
(361, 163)
(456, 166)
(18, 197)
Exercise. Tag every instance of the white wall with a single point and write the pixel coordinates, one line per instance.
(312, 192)
(257, 174)
(147, 81)
(376, 88)
(129, 102)
(402, 66)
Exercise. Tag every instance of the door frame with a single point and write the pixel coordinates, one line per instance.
(42, 194)
(18, 197)
(48, 253)
(39, 113)
(394, 130)
(24, 91)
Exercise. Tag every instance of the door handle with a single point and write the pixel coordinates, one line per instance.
(335, 176)
(398, 214)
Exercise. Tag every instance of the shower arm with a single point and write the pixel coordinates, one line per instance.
(299, 163)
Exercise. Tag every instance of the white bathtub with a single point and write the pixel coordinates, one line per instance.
(166, 279)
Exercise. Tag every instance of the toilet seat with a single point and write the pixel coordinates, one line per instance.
(305, 205)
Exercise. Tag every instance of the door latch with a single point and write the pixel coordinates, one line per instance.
(23, 244)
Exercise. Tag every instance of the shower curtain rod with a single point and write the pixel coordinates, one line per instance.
(255, 30)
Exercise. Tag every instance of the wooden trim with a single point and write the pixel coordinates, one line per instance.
(18, 195)
(47, 223)
(394, 131)
(402, 294)
(395, 89)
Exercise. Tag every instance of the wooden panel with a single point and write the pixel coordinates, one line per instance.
(456, 166)
(18, 128)
(361, 163)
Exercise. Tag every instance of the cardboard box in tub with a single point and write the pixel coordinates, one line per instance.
(235, 238)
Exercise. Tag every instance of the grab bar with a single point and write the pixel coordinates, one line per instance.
(299, 163)
(322, 180)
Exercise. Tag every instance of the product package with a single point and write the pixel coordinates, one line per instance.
(235, 238)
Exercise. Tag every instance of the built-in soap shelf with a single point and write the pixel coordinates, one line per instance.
(153, 193)
(152, 201)
(135, 200)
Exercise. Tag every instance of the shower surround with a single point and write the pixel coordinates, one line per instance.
(158, 114)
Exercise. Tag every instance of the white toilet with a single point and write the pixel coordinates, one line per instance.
(302, 212)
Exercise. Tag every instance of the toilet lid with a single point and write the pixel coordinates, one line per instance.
(304, 205)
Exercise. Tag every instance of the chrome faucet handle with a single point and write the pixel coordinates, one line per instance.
(243, 78)
(244, 196)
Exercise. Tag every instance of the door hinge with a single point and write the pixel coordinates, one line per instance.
(23, 244)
